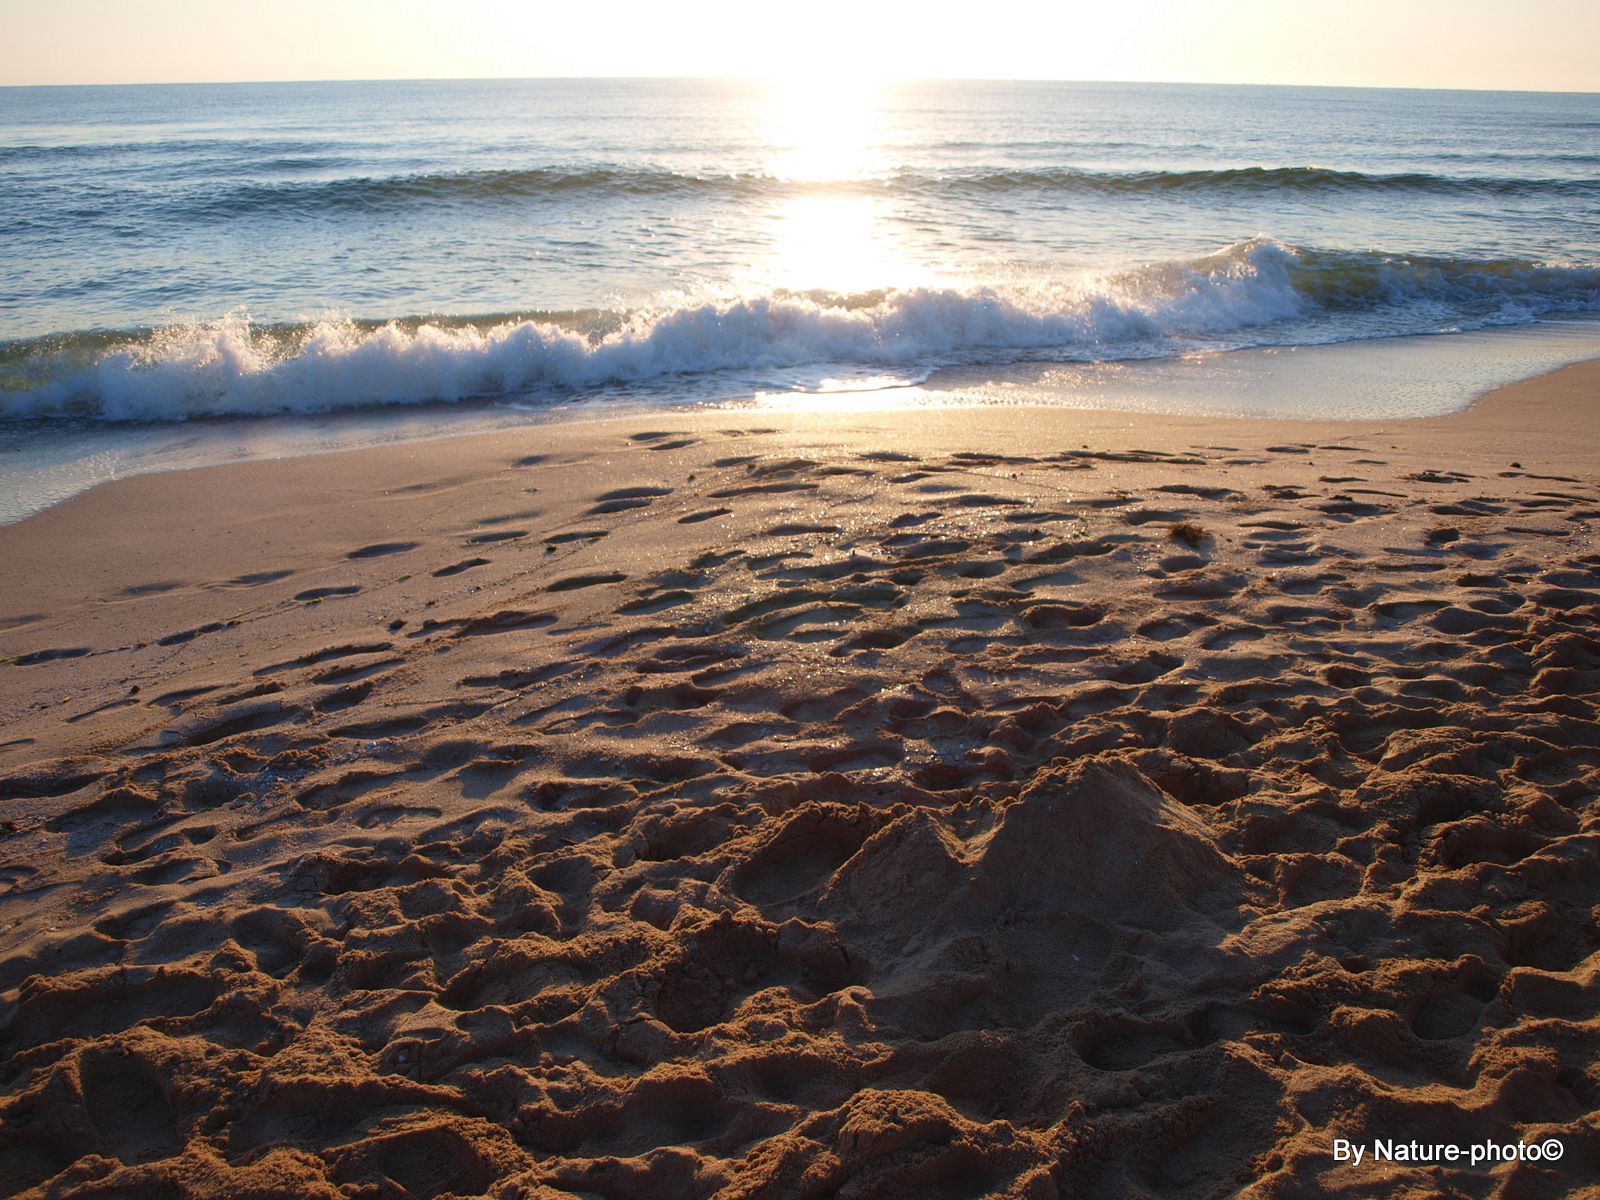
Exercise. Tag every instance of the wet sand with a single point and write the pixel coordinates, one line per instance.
(969, 802)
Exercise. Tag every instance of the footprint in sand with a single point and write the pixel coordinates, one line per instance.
(380, 549)
(626, 499)
(322, 593)
(592, 579)
(501, 535)
(44, 656)
(1226, 639)
(656, 602)
(188, 635)
(127, 1106)
(312, 658)
(257, 579)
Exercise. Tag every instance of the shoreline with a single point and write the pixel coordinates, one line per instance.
(1545, 413)
(1051, 801)
(45, 465)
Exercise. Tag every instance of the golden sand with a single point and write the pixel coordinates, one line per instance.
(976, 802)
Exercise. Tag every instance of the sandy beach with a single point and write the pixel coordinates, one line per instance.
(1010, 802)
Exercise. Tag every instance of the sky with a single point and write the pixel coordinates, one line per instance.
(1543, 45)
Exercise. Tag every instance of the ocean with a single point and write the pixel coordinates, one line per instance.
(202, 272)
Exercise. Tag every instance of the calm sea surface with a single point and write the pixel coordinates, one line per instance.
(172, 253)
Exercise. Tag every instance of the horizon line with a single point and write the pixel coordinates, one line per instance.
(1369, 87)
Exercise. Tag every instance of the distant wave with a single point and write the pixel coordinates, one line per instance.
(370, 195)
(1253, 293)
(1266, 180)
(241, 151)
(308, 197)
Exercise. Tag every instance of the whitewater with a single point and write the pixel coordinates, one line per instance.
(520, 250)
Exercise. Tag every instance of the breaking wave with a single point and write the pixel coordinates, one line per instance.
(1253, 293)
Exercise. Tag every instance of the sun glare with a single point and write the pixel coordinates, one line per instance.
(822, 127)
(830, 232)
(840, 243)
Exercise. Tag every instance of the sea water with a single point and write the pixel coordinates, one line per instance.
(193, 273)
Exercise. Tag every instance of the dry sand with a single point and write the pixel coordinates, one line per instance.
(876, 805)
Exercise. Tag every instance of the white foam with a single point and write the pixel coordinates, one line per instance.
(1256, 292)
(232, 367)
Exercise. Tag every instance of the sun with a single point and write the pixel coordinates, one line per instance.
(831, 229)
(823, 126)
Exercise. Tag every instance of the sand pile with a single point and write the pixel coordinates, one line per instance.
(707, 814)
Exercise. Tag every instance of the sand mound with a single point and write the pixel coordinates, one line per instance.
(1099, 841)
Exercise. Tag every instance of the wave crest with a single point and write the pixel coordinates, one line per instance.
(1251, 293)
(401, 192)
